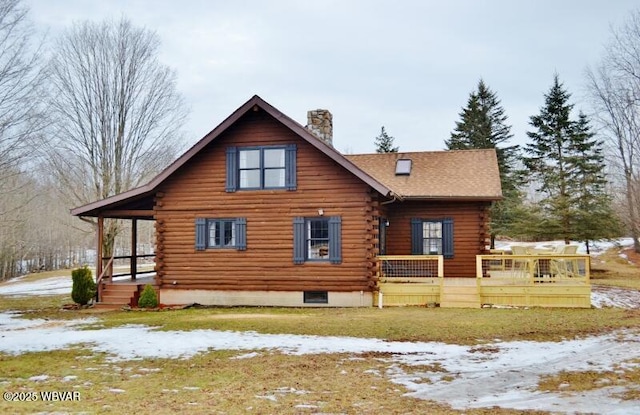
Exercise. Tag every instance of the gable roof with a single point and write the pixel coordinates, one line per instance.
(458, 174)
(434, 175)
(147, 190)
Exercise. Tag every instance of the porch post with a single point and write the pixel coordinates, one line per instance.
(99, 263)
(134, 248)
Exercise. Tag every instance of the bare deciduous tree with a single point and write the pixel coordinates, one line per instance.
(20, 80)
(615, 90)
(20, 120)
(115, 110)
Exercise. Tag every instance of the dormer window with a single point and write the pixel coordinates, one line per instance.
(403, 167)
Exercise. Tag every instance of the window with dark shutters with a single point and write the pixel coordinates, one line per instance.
(432, 236)
(221, 233)
(317, 239)
(263, 167)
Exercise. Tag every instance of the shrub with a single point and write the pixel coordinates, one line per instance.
(148, 298)
(84, 288)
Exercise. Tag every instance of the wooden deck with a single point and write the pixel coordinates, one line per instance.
(541, 280)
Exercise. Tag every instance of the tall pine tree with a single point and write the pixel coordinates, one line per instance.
(483, 125)
(384, 142)
(594, 215)
(565, 162)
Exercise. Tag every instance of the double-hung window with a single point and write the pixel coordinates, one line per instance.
(215, 233)
(256, 168)
(432, 237)
(222, 233)
(317, 240)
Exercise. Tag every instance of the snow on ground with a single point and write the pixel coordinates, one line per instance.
(46, 286)
(500, 373)
(602, 296)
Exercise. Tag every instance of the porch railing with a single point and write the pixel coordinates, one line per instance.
(569, 269)
(409, 268)
(128, 265)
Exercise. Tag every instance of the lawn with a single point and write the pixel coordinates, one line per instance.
(225, 382)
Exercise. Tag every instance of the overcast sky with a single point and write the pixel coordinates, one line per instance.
(407, 65)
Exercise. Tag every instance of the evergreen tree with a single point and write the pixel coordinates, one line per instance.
(548, 159)
(483, 124)
(384, 143)
(567, 164)
(595, 218)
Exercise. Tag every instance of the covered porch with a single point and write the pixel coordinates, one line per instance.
(122, 273)
(533, 279)
(121, 278)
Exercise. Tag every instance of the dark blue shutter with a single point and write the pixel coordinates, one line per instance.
(232, 169)
(335, 239)
(417, 243)
(241, 234)
(447, 238)
(298, 241)
(201, 234)
(290, 167)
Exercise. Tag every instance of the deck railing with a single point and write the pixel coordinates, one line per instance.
(573, 269)
(409, 268)
(409, 279)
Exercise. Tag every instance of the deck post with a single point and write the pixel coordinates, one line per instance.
(134, 248)
(99, 262)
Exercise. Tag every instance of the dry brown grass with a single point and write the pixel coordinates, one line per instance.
(611, 269)
(626, 375)
(215, 383)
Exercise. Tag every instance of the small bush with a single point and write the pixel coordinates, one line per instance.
(84, 288)
(148, 298)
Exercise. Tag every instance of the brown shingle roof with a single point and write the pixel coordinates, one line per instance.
(463, 174)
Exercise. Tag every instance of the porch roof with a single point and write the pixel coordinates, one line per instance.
(458, 174)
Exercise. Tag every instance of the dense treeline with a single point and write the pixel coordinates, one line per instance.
(90, 115)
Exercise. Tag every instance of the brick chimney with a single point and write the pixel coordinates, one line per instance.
(320, 123)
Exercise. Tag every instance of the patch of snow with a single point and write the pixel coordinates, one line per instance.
(39, 378)
(603, 296)
(267, 397)
(245, 356)
(47, 286)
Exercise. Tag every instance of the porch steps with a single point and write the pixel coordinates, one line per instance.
(459, 295)
(117, 295)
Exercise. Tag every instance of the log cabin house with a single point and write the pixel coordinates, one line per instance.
(265, 211)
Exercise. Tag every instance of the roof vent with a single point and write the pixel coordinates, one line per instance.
(403, 167)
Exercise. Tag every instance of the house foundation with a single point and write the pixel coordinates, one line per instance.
(263, 298)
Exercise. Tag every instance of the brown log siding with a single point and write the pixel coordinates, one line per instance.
(198, 190)
(469, 231)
